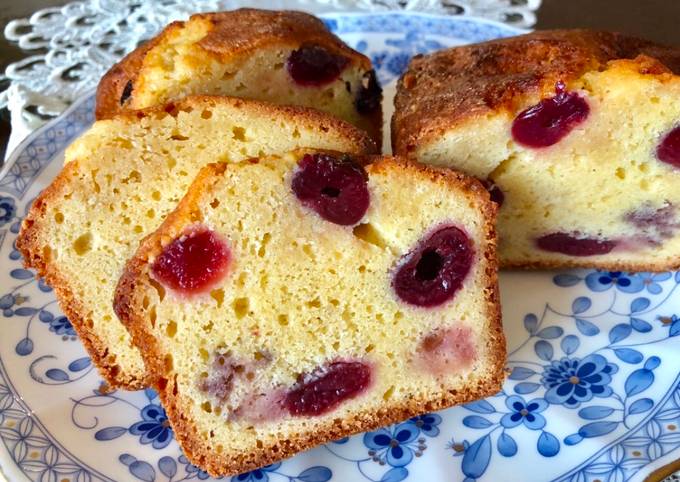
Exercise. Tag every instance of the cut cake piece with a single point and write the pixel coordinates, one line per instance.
(119, 181)
(284, 57)
(576, 132)
(292, 301)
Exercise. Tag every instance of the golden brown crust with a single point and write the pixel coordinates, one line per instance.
(442, 89)
(128, 303)
(231, 33)
(35, 256)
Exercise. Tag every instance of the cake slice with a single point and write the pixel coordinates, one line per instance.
(283, 57)
(291, 301)
(576, 132)
(119, 181)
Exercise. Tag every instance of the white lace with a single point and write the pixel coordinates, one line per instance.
(80, 41)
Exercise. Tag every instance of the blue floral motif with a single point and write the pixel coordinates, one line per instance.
(604, 280)
(651, 281)
(192, 470)
(257, 475)
(395, 445)
(7, 210)
(427, 423)
(528, 413)
(62, 326)
(571, 381)
(154, 427)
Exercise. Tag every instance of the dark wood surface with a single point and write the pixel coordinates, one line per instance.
(655, 19)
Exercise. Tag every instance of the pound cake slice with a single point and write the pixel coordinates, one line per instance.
(291, 301)
(576, 132)
(283, 57)
(120, 180)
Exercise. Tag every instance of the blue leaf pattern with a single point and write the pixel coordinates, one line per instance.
(506, 445)
(167, 466)
(550, 332)
(569, 344)
(586, 327)
(544, 350)
(595, 412)
(531, 323)
(638, 381)
(641, 406)
(520, 373)
(639, 304)
(475, 421)
(628, 355)
(581, 304)
(480, 406)
(57, 375)
(548, 445)
(322, 474)
(143, 471)
(597, 429)
(110, 433)
(395, 474)
(476, 458)
(619, 332)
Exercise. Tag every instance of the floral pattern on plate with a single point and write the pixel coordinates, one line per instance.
(592, 393)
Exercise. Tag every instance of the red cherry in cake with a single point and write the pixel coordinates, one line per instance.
(313, 65)
(669, 149)
(447, 350)
(336, 188)
(369, 94)
(547, 122)
(433, 272)
(326, 388)
(572, 244)
(194, 262)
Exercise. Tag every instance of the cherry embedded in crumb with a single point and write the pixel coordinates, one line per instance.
(194, 262)
(435, 269)
(547, 122)
(447, 350)
(369, 94)
(336, 188)
(572, 244)
(327, 388)
(313, 65)
(669, 149)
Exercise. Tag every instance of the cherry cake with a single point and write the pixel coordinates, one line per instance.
(575, 133)
(294, 300)
(283, 57)
(120, 180)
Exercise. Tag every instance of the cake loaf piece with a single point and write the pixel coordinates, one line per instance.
(576, 132)
(119, 181)
(292, 301)
(283, 57)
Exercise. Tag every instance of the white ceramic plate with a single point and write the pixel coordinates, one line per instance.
(593, 392)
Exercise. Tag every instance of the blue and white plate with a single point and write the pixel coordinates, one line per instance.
(593, 392)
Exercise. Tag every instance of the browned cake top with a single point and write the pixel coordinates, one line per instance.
(230, 33)
(246, 29)
(442, 88)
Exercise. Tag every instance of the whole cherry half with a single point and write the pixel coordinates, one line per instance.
(435, 269)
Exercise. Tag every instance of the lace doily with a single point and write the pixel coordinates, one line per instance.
(77, 43)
